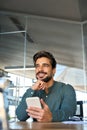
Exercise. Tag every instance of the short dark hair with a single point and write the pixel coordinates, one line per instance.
(47, 55)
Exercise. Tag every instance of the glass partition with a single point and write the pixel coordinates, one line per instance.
(21, 36)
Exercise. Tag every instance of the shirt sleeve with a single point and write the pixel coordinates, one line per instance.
(21, 108)
(68, 104)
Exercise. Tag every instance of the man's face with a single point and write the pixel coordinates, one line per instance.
(43, 69)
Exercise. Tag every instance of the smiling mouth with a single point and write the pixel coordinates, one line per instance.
(41, 75)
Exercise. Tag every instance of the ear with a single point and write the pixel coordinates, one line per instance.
(54, 71)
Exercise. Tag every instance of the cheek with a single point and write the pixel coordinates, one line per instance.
(49, 71)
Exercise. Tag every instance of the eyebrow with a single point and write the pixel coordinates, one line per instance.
(48, 64)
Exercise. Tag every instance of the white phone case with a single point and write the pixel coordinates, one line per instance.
(33, 101)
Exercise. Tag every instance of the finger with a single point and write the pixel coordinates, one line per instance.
(34, 108)
(34, 114)
(43, 85)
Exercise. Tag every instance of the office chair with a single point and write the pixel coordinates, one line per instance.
(79, 111)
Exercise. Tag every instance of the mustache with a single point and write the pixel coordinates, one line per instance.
(41, 72)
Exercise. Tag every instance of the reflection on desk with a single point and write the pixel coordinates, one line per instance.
(46, 126)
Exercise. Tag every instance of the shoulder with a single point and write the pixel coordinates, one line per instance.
(64, 86)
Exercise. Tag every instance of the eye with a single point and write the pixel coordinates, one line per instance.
(46, 65)
(36, 66)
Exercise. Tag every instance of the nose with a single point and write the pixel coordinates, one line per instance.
(40, 68)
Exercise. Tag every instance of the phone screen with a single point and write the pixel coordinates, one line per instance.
(33, 101)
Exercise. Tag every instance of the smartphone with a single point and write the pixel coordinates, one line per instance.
(33, 101)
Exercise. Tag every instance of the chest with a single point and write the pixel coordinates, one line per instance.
(53, 99)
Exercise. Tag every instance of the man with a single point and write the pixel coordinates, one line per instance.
(58, 100)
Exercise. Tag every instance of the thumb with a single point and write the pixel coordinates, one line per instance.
(43, 103)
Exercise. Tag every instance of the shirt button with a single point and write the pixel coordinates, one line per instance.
(31, 92)
(46, 96)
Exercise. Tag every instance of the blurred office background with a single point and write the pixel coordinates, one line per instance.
(58, 26)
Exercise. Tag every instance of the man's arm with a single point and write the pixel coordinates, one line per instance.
(21, 108)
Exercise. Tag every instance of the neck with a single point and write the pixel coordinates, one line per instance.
(49, 84)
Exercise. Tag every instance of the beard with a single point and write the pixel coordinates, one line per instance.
(48, 78)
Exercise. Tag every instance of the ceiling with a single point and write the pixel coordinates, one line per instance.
(62, 9)
(52, 25)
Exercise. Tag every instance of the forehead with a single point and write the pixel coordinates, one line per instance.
(43, 60)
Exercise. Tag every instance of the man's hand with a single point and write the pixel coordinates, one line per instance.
(41, 115)
(39, 85)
